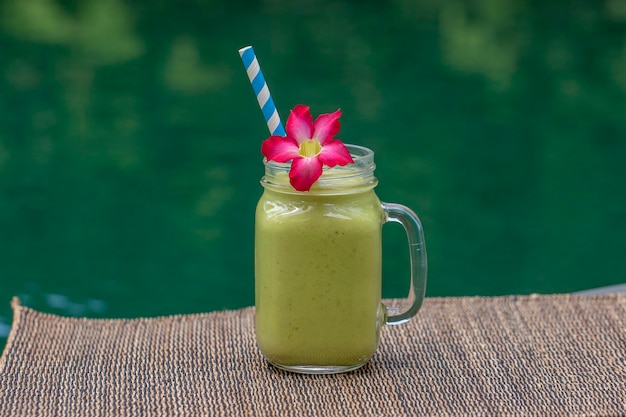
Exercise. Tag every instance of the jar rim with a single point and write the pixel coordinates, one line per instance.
(360, 155)
(336, 180)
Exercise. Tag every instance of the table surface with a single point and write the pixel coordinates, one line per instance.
(516, 355)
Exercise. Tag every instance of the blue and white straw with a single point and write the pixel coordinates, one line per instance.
(262, 92)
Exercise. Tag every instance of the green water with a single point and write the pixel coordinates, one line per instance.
(130, 142)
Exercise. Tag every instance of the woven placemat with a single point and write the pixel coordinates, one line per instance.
(526, 355)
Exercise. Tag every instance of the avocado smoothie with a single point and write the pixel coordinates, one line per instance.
(318, 277)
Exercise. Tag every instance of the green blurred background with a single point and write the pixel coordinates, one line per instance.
(130, 142)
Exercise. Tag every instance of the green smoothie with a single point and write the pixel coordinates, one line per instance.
(318, 278)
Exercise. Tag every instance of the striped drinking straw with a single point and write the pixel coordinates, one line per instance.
(262, 92)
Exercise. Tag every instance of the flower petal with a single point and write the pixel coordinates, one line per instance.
(304, 172)
(326, 126)
(335, 153)
(300, 124)
(280, 149)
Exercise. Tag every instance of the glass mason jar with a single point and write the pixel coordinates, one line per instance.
(318, 267)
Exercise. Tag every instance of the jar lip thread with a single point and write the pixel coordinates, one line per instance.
(360, 155)
(358, 175)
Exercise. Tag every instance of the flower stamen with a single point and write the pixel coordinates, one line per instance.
(310, 148)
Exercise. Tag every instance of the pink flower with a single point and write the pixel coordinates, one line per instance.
(309, 145)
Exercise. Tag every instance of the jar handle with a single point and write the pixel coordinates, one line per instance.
(417, 255)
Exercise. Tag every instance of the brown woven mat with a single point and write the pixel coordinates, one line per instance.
(532, 355)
